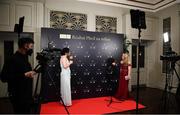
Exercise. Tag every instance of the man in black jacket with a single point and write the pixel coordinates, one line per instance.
(17, 72)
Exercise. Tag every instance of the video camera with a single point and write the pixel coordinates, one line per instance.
(170, 56)
(45, 56)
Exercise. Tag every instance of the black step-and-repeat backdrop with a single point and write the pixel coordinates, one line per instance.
(90, 50)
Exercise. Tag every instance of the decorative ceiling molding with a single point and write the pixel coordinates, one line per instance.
(139, 4)
(146, 5)
(149, 2)
(124, 4)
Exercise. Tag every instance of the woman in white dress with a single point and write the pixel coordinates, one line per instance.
(65, 77)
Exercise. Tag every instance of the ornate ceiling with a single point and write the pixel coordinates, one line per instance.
(147, 5)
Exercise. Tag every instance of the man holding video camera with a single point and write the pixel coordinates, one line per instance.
(17, 72)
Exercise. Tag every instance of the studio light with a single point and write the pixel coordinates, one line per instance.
(166, 37)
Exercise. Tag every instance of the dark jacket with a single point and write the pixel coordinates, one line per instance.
(13, 73)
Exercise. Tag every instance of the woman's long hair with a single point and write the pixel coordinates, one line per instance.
(126, 58)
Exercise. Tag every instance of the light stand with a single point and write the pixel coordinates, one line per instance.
(18, 28)
(170, 60)
(138, 22)
(138, 69)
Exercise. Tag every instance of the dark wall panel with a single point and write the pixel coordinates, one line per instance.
(8, 49)
(88, 72)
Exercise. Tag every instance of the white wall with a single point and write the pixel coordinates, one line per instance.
(86, 8)
(172, 12)
(149, 37)
(155, 78)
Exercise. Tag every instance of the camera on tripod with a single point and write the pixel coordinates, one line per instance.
(170, 56)
(45, 56)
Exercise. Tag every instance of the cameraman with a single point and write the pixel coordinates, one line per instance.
(17, 72)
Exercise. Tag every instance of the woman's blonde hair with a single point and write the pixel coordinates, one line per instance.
(126, 58)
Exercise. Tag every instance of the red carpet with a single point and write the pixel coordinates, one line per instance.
(90, 106)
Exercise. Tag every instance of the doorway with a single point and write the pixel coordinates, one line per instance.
(142, 63)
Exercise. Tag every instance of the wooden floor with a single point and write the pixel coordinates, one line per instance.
(150, 97)
(156, 102)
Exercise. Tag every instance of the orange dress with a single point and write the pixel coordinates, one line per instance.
(122, 92)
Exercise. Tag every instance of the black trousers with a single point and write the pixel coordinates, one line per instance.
(20, 105)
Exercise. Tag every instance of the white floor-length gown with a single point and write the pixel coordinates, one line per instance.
(65, 82)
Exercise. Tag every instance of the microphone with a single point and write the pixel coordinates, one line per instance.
(70, 57)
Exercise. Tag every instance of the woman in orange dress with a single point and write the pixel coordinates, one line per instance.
(122, 92)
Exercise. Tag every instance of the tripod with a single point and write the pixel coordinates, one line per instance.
(168, 85)
(111, 92)
(40, 70)
(111, 72)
